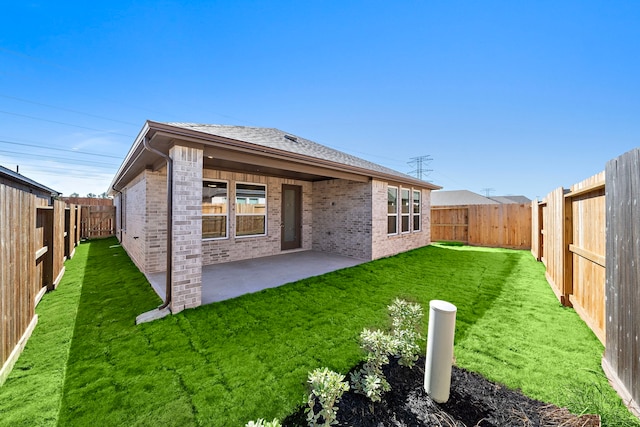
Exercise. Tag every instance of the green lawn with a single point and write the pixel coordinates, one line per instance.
(226, 363)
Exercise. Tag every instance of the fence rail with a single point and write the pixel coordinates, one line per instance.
(568, 229)
(98, 221)
(587, 237)
(35, 240)
(503, 226)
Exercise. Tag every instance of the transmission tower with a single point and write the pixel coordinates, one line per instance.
(420, 164)
(488, 191)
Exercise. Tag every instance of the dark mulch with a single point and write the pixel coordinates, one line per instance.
(473, 401)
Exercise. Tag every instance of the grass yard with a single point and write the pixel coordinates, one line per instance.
(229, 362)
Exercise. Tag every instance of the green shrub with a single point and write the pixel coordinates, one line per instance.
(406, 319)
(327, 388)
(370, 380)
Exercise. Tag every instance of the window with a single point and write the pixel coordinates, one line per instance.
(214, 210)
(392, 210)
(417, 206)
(405, 209)
(251, 210)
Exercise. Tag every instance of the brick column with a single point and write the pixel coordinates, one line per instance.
(187, 228)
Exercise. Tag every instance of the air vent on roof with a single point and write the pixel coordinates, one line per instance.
(291, 138)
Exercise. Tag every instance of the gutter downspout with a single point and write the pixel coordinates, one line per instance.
(169, 160)
(113, 187)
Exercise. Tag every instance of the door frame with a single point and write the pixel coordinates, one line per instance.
(297, 243)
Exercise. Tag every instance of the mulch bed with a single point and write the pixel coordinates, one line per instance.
(473, 401)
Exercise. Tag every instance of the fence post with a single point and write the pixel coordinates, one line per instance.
(567, 258)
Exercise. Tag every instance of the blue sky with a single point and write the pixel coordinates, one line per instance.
(519, 97)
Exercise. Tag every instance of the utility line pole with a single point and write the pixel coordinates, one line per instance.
(420, 164)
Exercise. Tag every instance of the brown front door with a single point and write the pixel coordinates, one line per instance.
(291, 221)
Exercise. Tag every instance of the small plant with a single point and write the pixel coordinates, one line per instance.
(370, 380)
(262, 423)
(406, 318)
(327, 388)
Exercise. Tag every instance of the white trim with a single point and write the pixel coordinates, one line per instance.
(391, 214)
(419, 214)
(402, 214)
(236, 214)
(226, 237)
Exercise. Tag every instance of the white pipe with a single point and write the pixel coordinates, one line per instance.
(437, 371)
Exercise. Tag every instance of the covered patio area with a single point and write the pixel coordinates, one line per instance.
(232, 279)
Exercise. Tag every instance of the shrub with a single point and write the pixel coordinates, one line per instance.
(406, 318)
(263, 423)
(326, 389)
(370, 380)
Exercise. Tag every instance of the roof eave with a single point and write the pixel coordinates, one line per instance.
(204, 138)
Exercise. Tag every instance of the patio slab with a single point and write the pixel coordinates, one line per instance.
(232, 279)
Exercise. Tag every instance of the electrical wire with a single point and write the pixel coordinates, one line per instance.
(86, 153)
(31, 155)
(63, 123)
(67, 109)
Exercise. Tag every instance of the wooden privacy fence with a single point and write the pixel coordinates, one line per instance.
(501, 225)
(35, 240)
(98, 221)
(622, 354)
(569, 238)
(588, 238)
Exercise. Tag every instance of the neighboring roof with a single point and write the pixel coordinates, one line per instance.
(512, 199)
(459, 197)
(15, 177)
(466, 197)
(268, 143)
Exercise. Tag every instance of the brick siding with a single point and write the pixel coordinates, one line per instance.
(238, 248)
(187, 228)
(386, 245)
(342, 218)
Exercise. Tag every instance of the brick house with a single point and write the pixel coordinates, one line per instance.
(244, 192)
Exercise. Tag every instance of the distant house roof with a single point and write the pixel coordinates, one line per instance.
(459, 197)
(14, 179)
(466, 197)
(242, 148)
(511, 199)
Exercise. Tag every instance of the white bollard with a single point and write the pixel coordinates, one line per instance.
(437, 371)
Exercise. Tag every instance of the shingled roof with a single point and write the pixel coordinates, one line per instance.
(277, 139)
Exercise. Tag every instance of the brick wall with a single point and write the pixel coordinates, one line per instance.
(385, 245)
(342, 218)
(133, 234)
(156, 221)
(238, 248)
(187, 228)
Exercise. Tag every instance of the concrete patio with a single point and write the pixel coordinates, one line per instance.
(232, 279)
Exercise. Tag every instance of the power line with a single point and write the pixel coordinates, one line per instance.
(420, 163)
(2, 141)
(31, 155)
(63, 123)
(67, 109)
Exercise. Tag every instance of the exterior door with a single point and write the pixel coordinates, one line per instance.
(291, 222)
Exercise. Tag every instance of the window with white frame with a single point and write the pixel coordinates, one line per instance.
(215, 208)
(392, 210)
(405, 210)
(251, 210)
(417, 207)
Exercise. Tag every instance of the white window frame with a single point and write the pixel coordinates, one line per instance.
(235, 204)
(415, 215)
(394, 214)
(402, 214)
(220, 181)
